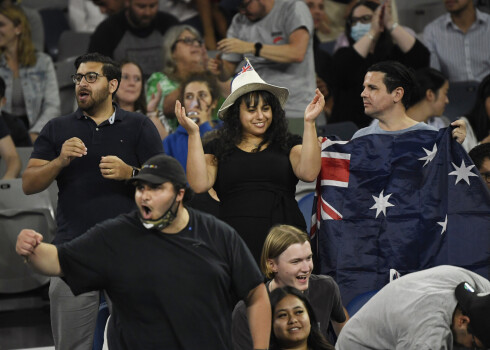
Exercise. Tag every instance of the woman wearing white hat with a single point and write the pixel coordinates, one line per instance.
(254, 163)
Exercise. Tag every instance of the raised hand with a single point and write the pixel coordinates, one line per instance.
(187, 123)
(152, 105)
(27, 241)
(315, 107)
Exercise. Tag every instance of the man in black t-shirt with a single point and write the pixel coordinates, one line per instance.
(173, 274)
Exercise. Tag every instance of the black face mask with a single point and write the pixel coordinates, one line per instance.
(163, 221)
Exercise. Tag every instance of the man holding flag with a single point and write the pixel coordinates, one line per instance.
(400, 195)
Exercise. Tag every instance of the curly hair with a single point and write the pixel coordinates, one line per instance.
(231, 133)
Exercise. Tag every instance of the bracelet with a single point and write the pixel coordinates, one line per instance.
(370, 36)
(393, 26)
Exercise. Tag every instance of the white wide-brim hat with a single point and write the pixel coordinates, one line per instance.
(248, 80)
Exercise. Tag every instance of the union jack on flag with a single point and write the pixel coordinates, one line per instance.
(245, 68)
(406, 202)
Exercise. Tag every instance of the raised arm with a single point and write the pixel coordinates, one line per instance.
(40, 173)
(306, 158)
(201, 168)
(43, 257)
(259, 316)
(10, 157)
(400, 36)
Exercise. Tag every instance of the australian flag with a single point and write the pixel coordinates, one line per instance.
(406, 202)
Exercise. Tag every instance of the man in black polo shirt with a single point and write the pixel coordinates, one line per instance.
(173, 273)
(89, 153)
(135, 34)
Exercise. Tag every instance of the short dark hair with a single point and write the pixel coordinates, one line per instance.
(479, 153)
(397, 75)
(110, 68)
(315, 339)
(2, 87)
(372, 5)
(204, 77)
(427, 79)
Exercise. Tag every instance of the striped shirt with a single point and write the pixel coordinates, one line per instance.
(459, 56)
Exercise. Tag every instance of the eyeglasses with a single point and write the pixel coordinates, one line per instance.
(363, 19)
(188, 42)
(486, 176)
(90, 77)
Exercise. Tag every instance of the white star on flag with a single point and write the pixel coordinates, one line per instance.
(429, 155)
(463, 172)
(443, 224)
(381, 203)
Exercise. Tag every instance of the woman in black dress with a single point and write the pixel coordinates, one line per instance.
(254, 163)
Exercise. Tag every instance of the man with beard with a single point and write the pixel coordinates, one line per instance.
(458, 42)
(89, 153)
(173, 273)
(135, 34)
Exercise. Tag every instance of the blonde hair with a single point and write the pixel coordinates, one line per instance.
(280, 238)
(26, 52)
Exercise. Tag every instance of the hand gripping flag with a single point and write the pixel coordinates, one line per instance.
(406, 202)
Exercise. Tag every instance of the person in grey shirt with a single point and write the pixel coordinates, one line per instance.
(277, 38)
(430, 309)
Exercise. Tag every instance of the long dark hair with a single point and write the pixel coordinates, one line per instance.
(315, 341)
(427, 79)
(230, 134)
(384, 44)
(140, 103)
(478, 117)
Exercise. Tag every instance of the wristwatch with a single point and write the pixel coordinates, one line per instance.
(135, 172)
(258, 47)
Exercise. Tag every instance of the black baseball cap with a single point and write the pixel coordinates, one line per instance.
(477, 307)
(159, 169)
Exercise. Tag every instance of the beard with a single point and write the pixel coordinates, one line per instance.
(139, 22)
(93, 100)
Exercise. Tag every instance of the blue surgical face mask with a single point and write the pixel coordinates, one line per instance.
(359, 30)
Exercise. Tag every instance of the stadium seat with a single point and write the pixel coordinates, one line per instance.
(18, 211)
(462, 97)
(343, 130)
(72, 44)
(54, 23)
(24, 154)
(64, 70)
(305, 204)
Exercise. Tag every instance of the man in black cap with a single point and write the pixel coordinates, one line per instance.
(173, 274)
(445, 307)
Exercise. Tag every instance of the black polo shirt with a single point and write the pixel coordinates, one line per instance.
(85, 197)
